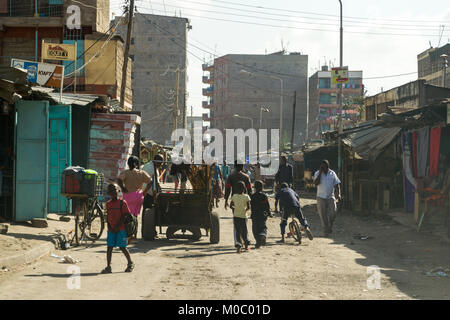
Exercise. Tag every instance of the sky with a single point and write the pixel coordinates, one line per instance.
(382, 38)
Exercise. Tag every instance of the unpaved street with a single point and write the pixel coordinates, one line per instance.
(325, 268)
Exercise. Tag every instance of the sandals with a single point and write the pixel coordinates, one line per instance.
(107, 270)
(130, 267)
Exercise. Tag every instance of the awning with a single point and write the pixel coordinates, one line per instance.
(371, 141)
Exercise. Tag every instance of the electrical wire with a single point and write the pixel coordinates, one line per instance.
(336, 23)
(304, 28)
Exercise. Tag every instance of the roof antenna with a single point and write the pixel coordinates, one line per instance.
(431, 46)
(164, 3)
(441, 34)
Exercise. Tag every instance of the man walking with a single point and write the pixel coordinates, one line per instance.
(328, 191)
(285, 174)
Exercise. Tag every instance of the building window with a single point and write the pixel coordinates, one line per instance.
(132, 40)
(325, 98)
(132, 57)
(324, 83)
(150, 39)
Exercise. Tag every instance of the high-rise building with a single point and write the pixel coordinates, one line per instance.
(431, 66)
(245, 90)
(158, 49)
(324, 102)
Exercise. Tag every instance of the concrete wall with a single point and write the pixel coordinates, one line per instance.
(430, 65)
(158, 45)
(412, 95)
(235, 93)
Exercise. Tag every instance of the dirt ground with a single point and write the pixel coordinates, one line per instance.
(324, 268)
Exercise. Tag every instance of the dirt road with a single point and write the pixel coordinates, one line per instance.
(325, 268)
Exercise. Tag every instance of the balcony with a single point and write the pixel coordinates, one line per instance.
(206, 117)
(207, 67)
(209, 92)
(207, 105)
(207, 80)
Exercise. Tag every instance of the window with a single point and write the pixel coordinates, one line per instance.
(132, 57)
(132, 40)
(325, 98)
(149, 39)
(324, 83)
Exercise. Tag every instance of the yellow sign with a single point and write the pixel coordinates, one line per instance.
(57, 51)
(339, 75)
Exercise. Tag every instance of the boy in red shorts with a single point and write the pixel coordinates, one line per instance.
(117, 236)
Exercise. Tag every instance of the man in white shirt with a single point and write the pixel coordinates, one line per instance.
(328, 191)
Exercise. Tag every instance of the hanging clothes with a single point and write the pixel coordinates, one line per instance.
(408, 179)
(415, 138)
(435, 143)
(422, 151)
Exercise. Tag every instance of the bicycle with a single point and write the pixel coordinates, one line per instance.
(294, 229)
(89, 219)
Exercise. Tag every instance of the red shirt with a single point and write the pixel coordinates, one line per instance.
(114, 213)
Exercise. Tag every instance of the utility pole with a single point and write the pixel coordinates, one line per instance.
(340, 101)
(293, 121)
(126, 54)
(175, 107)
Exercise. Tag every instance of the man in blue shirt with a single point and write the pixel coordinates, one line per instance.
(285, 174)
(289, 204)
(328, 190)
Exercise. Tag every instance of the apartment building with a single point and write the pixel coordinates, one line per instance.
(158, 50)
(245, 90)
(324, 102)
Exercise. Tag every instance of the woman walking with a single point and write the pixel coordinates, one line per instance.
(131, 181)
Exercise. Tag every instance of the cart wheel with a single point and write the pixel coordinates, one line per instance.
(214, 236)
(196, 233)
(148, 224)
(170, 231)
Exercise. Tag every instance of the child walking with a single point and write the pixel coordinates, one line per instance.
(260, 211)
(240, 204)
(117, 236)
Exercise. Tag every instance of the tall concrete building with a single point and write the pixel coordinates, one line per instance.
(158, 49)
(324, 102)
(431, 66)
(241, 84)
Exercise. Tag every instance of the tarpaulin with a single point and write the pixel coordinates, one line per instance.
(435, 142)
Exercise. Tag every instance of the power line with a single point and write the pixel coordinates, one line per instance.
(391, 76)
(302, 28)
(348, 23)
(322, 14)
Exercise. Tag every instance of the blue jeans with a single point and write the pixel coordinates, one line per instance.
(287, 212)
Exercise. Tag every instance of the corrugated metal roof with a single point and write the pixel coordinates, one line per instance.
(67, 98)
(369, 142)
(70, 98)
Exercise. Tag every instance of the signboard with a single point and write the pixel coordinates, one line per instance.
(43, 74)
(57, 51)
(339, 75)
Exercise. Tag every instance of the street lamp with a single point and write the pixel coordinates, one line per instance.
(444, 68)
(260, 115)
(238, 116)
(248, 74)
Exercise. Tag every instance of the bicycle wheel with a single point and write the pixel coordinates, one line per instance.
(94, 222)
(79, 222)
(295, 231)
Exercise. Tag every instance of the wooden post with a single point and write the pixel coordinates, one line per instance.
(126, 54)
